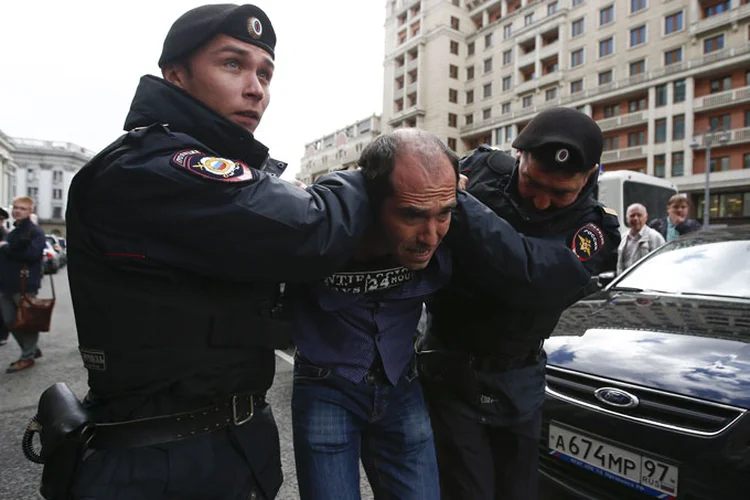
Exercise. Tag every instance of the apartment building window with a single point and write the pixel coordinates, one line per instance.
(470, 49)
(605, 77)
(470, 73)
(32, 192)
(469, 96)
(659, 165)
(606, 15)
(678, 127)
(486, 114)
(488, 40)
(507, 31)
(551, 8)
(637, 105)
(576, 86)
(718, 8)
(636, 139)
(720, 122)
(488, 65)
(637, 5)
(721, 84)
(720, 164)
(452, 120)
(678, 164)
(611, 143)
(452, 143)
(457, 3)
(577, 27)
(747, 77)
(506, 83)
(398, 105)
(661, 95)
(713, 44)
(637, 67)
(606, 47)
(679, 91)
(638, 36)
(746, 164)
(673, 56)
(57, 176)
(508, 133)
(576, 58)
(747, 118)
(469, 119)
(57, 213)
(660, 131)
(528, 19)
(57, 194)
(578, 2)
(527, 101)
(550, 94)
(454, 47)
(505, 109)
(487, 90)
(453, 71)
(412, 99)
(454, 23)
(453, 96)
(402, 37)
(507, 57)
(673, 23)
(610, 111)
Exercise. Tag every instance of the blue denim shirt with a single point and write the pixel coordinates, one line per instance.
(342, 322)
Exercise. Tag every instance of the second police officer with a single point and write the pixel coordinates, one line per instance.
(483, 364)
(177, 240)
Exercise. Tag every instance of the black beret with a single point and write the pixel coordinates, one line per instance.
(563, 136)
(193, 29)
(4, 214)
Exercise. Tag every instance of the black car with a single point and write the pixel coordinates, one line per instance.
(648, 380)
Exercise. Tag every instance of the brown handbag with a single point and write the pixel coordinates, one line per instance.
(33, 314)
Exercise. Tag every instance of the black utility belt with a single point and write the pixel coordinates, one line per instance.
(237, 410)
(505, 362)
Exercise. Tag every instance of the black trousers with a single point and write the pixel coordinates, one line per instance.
(483, 462)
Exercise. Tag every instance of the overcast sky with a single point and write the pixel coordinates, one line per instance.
(68, 69)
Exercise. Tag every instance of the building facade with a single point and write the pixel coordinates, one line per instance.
(45, 171)
(339, 150)
(8, 169)
(662, 78)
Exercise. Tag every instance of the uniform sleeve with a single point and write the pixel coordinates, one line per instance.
(595, 241)
(261, 228)
(519, 271)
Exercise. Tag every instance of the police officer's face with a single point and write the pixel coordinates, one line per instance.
(543, 189)
(416, 217)
(229, 76)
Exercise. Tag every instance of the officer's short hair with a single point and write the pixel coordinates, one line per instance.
(379, 159)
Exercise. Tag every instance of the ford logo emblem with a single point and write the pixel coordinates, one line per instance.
(616, 397)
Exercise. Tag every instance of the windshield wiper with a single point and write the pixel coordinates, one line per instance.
(625, 289)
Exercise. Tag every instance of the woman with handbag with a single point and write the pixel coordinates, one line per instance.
(20, 278)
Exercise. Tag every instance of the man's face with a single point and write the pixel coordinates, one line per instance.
(542, 189)
(21, 210)
(678, 211)
(636, 219)
(417, 215)
(229, 76)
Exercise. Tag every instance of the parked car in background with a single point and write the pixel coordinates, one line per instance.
(50, 259)
(58, 245)
(648, 380)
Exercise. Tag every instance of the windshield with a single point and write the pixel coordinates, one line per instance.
(694, 267)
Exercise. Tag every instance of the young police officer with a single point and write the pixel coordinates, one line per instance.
(483, 366)
(177, 239)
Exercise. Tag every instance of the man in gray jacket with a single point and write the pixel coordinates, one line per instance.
(640, 240)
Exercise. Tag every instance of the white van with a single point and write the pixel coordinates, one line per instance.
(618, 189)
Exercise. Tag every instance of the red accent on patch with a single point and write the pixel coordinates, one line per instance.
(212, 167)
(587, 242)
(132, 255)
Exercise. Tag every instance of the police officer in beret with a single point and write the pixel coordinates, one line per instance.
(482, 363)
(178, 237)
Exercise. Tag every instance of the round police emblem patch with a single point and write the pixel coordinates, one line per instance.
(211, 167)
(562, 155)
(587, 242)
(255, 27)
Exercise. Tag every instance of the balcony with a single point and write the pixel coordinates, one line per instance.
(736, 136)
(527, 59)
(714, 22)
(549, 78)
(405, 114)
(411, 88)
(412, 64)
(549, 50)
(722, 99)
(625, 154)
(623, 121)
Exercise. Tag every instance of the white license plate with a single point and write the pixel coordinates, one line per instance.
(641, 472)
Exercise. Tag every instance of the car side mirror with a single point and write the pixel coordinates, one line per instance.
(605, 278)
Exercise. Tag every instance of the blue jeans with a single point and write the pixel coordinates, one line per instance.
(336, 422)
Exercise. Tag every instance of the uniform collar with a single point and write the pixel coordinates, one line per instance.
(158, 101)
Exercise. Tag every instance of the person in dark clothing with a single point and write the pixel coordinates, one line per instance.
(20, 252)
(676, 223)
(481, 360)
(177, 239)
(4, 332)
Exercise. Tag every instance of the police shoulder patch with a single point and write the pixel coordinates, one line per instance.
(212, 167)
(587, 241)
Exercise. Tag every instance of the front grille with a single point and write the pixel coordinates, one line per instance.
(657, 408)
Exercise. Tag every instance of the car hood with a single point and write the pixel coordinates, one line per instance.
(693, 347)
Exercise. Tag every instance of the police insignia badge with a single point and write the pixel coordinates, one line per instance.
(587, 242)
(562, 155)
(255, 27)
(211, 167)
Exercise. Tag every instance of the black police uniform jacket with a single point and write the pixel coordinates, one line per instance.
(176, 244)
(505, 324)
